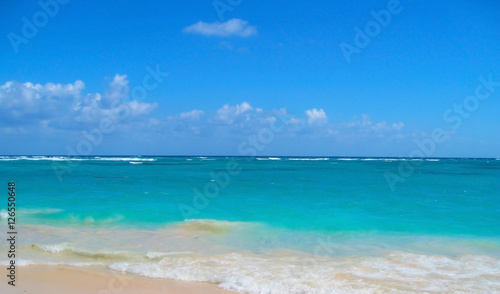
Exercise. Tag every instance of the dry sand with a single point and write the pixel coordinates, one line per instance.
(41, 279)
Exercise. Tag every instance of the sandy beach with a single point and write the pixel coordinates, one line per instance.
(41, 279)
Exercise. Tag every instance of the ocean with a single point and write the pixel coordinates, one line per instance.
(264, 224)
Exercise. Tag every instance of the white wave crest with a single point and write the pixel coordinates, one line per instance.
(71, 158)
(268, 158)
(309, 159)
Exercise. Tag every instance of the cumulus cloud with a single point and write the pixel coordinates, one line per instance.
(317, 117)
(228, 114)
(365, 127)
(228, 121)
(233, 27)
(365, 122)
(243, 119)
(192, 115)
(28, 102)
(385, 127)
(66, 106)
(62, 109)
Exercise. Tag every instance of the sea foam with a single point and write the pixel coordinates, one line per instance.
(398, 272)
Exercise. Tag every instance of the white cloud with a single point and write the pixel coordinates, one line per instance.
(51, 108)
(316, 117)
(118, 89)
(192, 115)
(233, 27)
(366, 125)
(228, 114)
(398, 126)
(381, 126)
(65, 106)
(366, 128)
(365, 122)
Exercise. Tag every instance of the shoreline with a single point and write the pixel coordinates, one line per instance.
(55, 279)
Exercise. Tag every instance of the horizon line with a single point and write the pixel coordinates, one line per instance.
(247, 156)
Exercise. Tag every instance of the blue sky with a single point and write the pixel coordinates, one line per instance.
(236, 68)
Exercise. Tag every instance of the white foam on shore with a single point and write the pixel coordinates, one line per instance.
(153, 255)
(195, 250)
(398, 272)
(25, 262)
(55, 248)
(65, 252)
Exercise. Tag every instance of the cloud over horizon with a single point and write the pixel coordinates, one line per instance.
(315, 116)
(61, 106)
(233, 27)
(62, 110)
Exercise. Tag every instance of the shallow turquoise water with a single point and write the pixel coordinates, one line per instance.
(445, 197)
(174, 217)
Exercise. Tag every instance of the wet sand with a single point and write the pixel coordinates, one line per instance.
(42, 279)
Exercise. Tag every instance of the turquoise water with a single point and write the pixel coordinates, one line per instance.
(335, 218)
